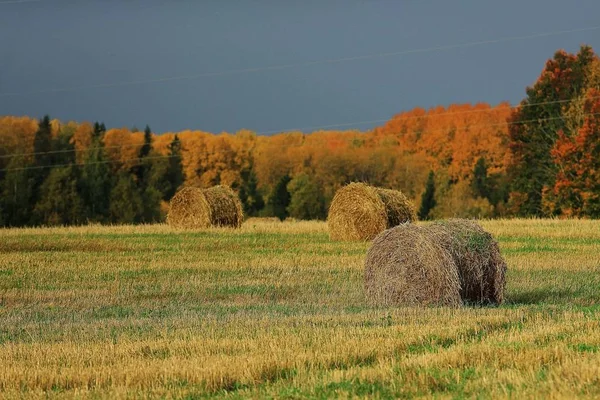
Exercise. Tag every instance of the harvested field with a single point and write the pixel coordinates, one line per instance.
(279, 310)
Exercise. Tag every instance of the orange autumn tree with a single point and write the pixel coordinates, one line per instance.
(450, 141)
(454, 137)
(16, 137)
(122, 147)
(82, 139)
(577, 186)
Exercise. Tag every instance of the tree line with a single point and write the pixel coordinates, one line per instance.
(539, 158)
(50, 183)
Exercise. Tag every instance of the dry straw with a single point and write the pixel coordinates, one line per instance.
(189, 209)
(361, 212)
(226, 207)
(398, 207)
(195, 208)
(477, 256)
(405, 267)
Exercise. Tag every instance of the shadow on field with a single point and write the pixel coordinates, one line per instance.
(545, 295)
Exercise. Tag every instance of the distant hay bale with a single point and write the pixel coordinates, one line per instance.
(360, 212)
(189, 209)
(226, 207)
(404, 267)
(356, 213)
(398, 207)
(195, 208)
(477, 256)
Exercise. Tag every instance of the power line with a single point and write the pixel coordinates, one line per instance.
(302, 64)
(139, 159)
(506, 123)
(89, 149)
(426, 116)
(20, 1)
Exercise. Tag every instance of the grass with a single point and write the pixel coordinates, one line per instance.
(277, 310)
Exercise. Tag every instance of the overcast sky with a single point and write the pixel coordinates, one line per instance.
(114, 60)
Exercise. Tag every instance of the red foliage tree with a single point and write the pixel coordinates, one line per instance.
(577, 186)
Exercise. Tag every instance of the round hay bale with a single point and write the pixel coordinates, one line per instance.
(398, 207)
(356, 213)
(225, 205)
(405, 267)
(476, 254)
(189, 209)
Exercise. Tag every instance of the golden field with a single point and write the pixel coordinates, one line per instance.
(277, 310)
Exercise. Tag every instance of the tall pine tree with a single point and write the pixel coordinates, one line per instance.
(42, 162)
(96, 182)
(147, 146)
(280, 198)
(146, 174)
(17, 191)
(173, 177)
(428, 200)
(480, 183)
(99, 130)
(42, 144)
(251, 198)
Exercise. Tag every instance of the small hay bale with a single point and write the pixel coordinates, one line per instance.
(189, 209)
(195, 208)
(361, 212)
(398, 207)
(477, 256)
(404, 267)
(226, 207)
(356, 213)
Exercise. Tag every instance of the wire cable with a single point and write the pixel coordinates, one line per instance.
(301, 64)
(171, 156)
(20, 1)
(317, 127)
(427, 116)
(139, 160)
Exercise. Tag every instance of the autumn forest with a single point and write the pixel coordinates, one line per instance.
(538, 158)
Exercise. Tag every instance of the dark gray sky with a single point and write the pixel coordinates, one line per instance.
(66, 44)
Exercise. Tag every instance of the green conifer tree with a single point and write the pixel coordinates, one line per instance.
(428, 200)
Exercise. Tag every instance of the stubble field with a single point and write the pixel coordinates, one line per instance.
(277, 310)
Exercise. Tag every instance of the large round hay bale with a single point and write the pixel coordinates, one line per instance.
(398, 207)
(356, 213)
(189, 209)
(476, 254)
(405, 267)
(226, 207)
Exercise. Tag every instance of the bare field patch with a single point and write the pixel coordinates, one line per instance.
(278, 310)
